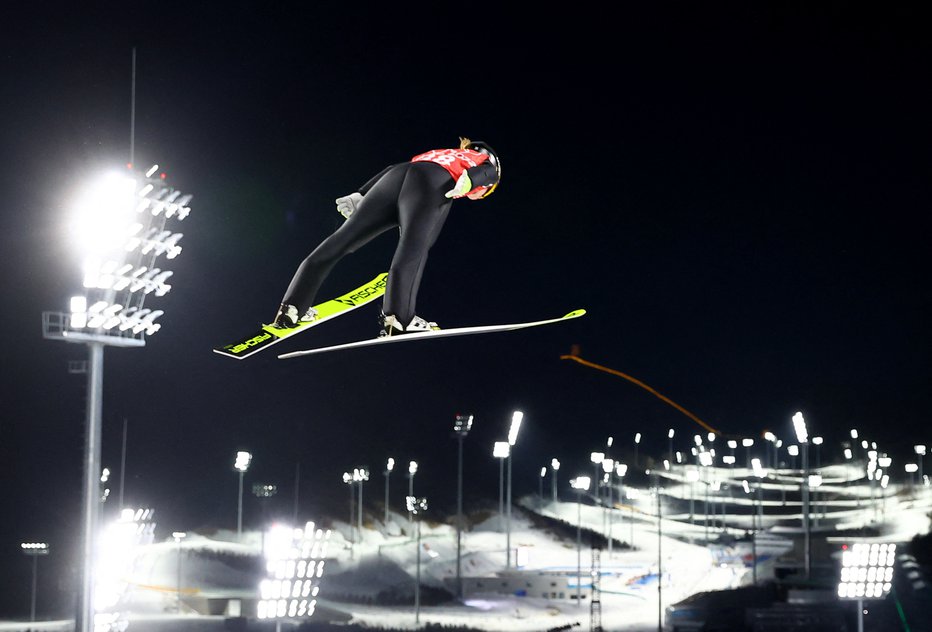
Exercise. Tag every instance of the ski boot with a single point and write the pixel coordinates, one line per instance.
(287, 317)
(391, 326)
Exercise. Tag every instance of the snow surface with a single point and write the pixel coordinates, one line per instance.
(382, 561)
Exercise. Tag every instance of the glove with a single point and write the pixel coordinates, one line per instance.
(462, 187)
(346, 205)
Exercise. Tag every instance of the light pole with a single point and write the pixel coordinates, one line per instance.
(637, 443)
(417, 506)
(241, 464)
(911, 469)
(747, 444)
(34, 550)
(540, 488)
(596, 459)
(501, 450)
(389, 466)
(670, 434)
(656, 477)
(555, 468)
(920, 451)
(120, 227)
(461, 427)
(178, 536)
(360, 476)
(348, 480)
(516, 418)
(771, 438)
(412, 470)
(620, 470)
(802, 436)
(580, 484)
(608, 467)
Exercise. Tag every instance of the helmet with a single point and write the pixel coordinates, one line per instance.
(484, 148)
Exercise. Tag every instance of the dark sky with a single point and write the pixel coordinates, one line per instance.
(738, 197)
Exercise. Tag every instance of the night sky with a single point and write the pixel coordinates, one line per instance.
(738, 197)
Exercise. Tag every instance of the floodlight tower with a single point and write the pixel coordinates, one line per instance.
(34, 550)
(389, 466)
(417, 506)
(241, 464)
(866, 573)
(121, 227)
(360, 476)
(555, 467)
(516, 418)
(608, 469)
(349, 482)
(461, 427)
(501, 450)
(802, 436)
(920, 451)
(580, 484)
(412, 470)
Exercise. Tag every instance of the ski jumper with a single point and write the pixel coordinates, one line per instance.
(409, 196)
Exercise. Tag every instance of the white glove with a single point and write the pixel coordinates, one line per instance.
(462, 187)
(346, 205)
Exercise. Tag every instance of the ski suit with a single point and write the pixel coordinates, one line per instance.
(409, 196)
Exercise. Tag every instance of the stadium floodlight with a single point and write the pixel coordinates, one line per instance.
(580, 484)
(412, 470)
(121, 542)
(417, 506)
(294, 565)
(920, 451)
(34, 550)
(241, 464)
(799, 426)
(387, 472)
(540, 486)
(757, 468)
(802, 436)
(596, 459)
(555, 467)
(360, 476)
(462, 424)
(349, 482)
(866, 573)
(107, 220)
(516, 418)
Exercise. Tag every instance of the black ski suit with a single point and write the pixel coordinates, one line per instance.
(408, 195)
